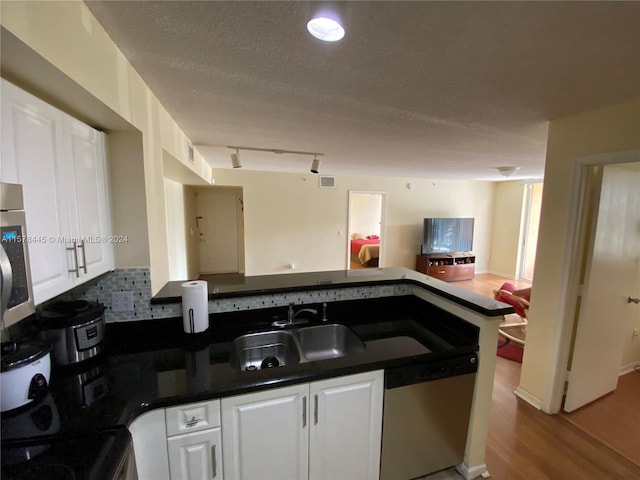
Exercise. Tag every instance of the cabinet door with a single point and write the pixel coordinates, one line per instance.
(195, 456)
(149, 436)
(31, 134)
(265, 434)
(90, 209)
(346, 427)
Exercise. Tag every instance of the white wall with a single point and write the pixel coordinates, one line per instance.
(366, 213)
(505, 232)
(176, 230)
(288, 219)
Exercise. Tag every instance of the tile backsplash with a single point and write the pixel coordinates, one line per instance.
(137, 281)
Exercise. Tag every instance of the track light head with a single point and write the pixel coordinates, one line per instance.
(315, 165)
(235, 160)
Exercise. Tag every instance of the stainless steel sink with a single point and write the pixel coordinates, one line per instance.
(328, 341)
(277, 348)
(265, 349)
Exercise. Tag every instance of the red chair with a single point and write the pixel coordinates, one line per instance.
(514, 331)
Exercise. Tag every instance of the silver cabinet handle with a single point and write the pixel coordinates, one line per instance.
(84, 257)
(75, 256)
(193, 422)
(635, 300)
(214, 462)
(304, 411)
(315, 409)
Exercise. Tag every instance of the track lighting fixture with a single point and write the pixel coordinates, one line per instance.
(235, 160)
(315, 165)
(235, 157)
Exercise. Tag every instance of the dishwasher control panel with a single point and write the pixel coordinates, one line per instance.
(428, 371)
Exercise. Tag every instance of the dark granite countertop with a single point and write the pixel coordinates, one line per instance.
(153, 364)
(243, 286)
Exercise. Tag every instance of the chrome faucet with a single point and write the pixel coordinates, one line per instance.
(293, 314)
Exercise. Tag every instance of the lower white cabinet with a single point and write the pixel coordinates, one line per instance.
(329, 429)
(195, 456)
(179, 443)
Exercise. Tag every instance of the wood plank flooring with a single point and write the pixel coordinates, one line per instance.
(615, 418)
(527, 444)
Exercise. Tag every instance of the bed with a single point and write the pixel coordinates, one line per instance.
(365, 251)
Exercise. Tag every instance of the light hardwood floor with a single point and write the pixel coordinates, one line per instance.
(527, 444)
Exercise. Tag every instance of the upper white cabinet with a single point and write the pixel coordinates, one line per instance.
(330, 429)
(61, 164)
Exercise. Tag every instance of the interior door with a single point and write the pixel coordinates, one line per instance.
(218, 232)
(612, 276)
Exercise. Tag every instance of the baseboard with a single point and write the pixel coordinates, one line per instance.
(498, 274)
(632, 367)
(475, 471)
(529, 398)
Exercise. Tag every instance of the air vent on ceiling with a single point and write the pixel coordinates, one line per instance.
(190, 153)
(326, 182)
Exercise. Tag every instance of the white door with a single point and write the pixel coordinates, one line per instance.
(612, 276)
(265, 434)
(346, 427)
(218, 232)
(30, 156)
(196, 456)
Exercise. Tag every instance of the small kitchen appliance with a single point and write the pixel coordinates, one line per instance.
(16, 294)
(26, 367)
(75, 330)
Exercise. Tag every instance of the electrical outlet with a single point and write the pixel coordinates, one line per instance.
(634, 334)
(122, 301)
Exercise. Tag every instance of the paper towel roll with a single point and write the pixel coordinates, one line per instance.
(195, 306)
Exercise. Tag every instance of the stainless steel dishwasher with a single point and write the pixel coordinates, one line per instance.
(426, 416)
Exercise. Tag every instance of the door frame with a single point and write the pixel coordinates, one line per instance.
(525, 233)
(383, 224)
(578, 244)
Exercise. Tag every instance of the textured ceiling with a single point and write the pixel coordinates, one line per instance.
(415, 89)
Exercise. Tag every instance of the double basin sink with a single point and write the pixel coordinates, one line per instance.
(277, 348)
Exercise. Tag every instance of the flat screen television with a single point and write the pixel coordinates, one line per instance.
(447, 235)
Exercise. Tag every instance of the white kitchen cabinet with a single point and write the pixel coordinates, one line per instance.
(265, 434)
(329, 429)
(346, 427)
(194, 441)
(61, 164)
(149, 436)
(179, 443)
(196, 456)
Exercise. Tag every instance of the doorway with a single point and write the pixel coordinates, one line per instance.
(220, 235)
(529, 233)
(605, 316)
(366, 227)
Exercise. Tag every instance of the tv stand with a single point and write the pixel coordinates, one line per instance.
(450, 267)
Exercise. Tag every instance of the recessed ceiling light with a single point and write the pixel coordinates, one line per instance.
(325, 29)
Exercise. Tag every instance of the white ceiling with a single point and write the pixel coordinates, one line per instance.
(446, 90)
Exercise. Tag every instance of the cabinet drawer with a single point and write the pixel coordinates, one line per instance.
(442, 272)
(192, 417)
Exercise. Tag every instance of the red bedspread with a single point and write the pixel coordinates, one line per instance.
(356, 245)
